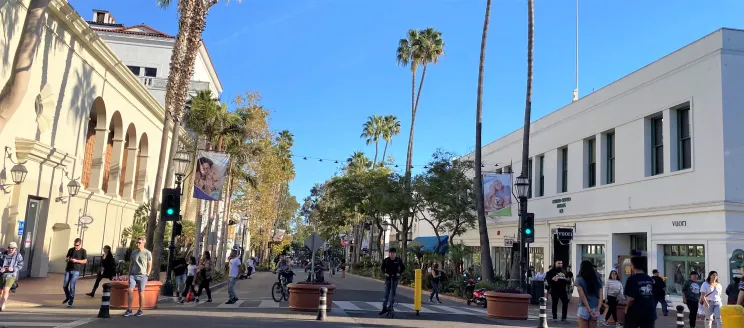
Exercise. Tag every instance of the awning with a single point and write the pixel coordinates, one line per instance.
(429, 243)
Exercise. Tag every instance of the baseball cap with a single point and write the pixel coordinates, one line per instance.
(12, 245)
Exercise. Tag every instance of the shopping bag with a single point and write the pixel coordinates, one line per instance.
(190, 296)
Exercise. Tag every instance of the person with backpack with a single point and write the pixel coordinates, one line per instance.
(12, 263)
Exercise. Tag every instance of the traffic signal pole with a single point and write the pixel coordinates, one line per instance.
(170, 209)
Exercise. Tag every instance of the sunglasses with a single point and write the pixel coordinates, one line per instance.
(77, 245)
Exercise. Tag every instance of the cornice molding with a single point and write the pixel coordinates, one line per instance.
(32, 150)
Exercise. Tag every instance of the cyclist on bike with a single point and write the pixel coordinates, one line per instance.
(284, 267)
(392, 267)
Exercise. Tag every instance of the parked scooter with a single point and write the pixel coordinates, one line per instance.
(472, 295)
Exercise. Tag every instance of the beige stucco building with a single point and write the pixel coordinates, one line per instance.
(85, 116)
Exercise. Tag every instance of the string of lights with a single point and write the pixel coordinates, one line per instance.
(344, 161)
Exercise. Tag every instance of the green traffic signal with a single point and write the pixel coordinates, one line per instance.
(170, 211)
(528, 231)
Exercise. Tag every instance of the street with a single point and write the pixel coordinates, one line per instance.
(356, 303)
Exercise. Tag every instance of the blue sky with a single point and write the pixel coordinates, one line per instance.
(324, 66)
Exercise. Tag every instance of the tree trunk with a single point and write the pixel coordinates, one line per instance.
(486, 263)
(20, 75)
(384, 152)
(377, 147)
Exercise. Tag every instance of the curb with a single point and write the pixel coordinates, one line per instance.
(173, 299)
(423, 291)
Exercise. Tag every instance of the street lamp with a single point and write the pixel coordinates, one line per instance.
(73, 187)
(181, 162)
(18, 173)
(522, 185)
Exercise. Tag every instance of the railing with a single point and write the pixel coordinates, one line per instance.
(92, 266)
(161, 83)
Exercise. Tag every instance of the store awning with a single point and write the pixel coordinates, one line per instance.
(429, 243)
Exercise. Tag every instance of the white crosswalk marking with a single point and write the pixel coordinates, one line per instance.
(410, 306)
(477, 309)
(234, 305)
(449, 309)
(376, 305)
(268, 304)
(346, 305)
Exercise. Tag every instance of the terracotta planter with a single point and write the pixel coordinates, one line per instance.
(507, 306)
(306, 297)
(119, 295)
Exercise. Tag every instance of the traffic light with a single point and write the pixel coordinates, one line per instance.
(528, 228)
(171, 205)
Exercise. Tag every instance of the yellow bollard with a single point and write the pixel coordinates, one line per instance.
(732, 316)
(417, 291)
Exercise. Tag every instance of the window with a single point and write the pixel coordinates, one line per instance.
(657, 145)
(151, 72)
(501, 261)
(679, 260)
(135, 70)
(529, 178)
(537, 259)
(507, 169)
(596, 255)
(100, 17)
(541, 180)
(610, 158)
(564, 169)
(685, 139)
(591, 161)
(638, 242)
(499, 171)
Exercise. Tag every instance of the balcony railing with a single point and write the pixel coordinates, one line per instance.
(160, 83)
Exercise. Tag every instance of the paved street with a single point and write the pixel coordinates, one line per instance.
(356, 302)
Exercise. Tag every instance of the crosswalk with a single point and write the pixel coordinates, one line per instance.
(20, 319)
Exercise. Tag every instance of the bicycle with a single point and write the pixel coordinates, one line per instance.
(279, 290)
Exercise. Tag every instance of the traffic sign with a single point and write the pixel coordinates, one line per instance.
(314, 242)
(20, 227)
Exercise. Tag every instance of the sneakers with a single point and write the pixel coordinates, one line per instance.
(128, 313)
(139, 313)
(209, 300)
(384, 311)
(230, 302)
(67, 299)
(90, 294)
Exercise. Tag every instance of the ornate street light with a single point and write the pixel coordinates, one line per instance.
(523, 186)
(181, 162)
(73, 187)
(18, 173)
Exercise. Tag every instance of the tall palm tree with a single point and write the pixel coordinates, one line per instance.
(20, 73)
(419, 48)
(486, 264)
(391, 128)
(357, 163)
(371, 132)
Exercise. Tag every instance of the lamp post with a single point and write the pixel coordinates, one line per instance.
(242, 239)
(522, 185)
(180, 164)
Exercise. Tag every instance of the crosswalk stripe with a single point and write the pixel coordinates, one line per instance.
(32, 324)
(346, 305)
(268, 304)
(376, 305)
(234, 305)
(479, 310)
(449, 309)
(410, 306)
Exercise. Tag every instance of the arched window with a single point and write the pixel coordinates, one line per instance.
(112, 159)
(140, 176)
(94, 141)
(129, 163)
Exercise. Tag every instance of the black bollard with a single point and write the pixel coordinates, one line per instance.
(543, 323)
(680, 316)
(105, 299)
(322, 304)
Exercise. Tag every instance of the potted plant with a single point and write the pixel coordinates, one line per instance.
(119, 290)
(305, 296)
(507, 303)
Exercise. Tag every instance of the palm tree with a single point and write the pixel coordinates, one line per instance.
(20, 73)
(372, 131)
(486, 267)
(357, 163)
(420, 48)
(391, 128)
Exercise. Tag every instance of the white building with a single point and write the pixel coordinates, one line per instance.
(649, 163)
(147, 53)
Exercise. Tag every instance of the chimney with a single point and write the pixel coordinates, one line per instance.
(103, 17)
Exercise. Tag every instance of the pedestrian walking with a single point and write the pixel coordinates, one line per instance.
(613, 289)
(640, 310)
(342, 267)
(740, 300)
(189, 285)
(710, 298)
(590, 295)
(691, 297)
(76, 259)
(12, 263)
(558, 282)
(139, 271)
(107, 270)
(233, 277)
(732, 291)
(435, 282)
(251, 267)
(179, 271)
(204, 276)
(660, 292)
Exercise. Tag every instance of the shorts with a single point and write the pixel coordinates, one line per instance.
(139, 280)
(585, 314)
(7, 281)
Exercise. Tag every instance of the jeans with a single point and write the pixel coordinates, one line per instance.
(664, 305)
(563, 297)
(710, 311)
(180, 282)
(434, 291)
(231, 288)
(693, 305)
(633, 322)
(68, 285)
(390, 287)
(611, 308)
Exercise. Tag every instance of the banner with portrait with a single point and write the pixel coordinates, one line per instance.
(211, 168)
(497, 194)
(278, 235)
(344, 240)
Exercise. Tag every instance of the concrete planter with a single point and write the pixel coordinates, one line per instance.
(507, 305)
(119, 295)
(306, 297)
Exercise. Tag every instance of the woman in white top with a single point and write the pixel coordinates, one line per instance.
(710, 299)
(614, 291)
(190, 271)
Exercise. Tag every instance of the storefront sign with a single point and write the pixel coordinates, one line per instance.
(508, 242)
(679, 223)
(20, 227)
(561, 203)
(565, 235)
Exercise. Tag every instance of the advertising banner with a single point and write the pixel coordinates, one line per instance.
(344, 240)
(279, 235)
(497, 194)
(211, 168)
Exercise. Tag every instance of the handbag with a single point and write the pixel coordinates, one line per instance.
(190, 296)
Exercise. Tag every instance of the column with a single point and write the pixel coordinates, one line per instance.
(130, 173)
(115, 168)
(96, 169)
(139, 192)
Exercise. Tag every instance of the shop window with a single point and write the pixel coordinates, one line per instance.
(679, 261)
(596, 255)
(537, 258)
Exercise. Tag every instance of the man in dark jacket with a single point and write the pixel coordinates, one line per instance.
(392, 267)
(558, 283)
(660, 291)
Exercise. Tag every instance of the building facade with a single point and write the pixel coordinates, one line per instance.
(85, 117)
(649, 164)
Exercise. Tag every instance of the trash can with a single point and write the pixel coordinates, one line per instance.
(537, 290)
(732, 316)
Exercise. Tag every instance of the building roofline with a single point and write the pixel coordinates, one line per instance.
(210, 66)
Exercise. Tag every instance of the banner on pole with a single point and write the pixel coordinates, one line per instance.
(278, 235)
(211, 168)
(497, 194)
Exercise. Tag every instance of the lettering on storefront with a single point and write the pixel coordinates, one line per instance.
(508, 242)
(561, 203)
(564, 235)
(679, 223)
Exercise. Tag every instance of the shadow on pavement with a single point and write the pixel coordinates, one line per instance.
(409, 319)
